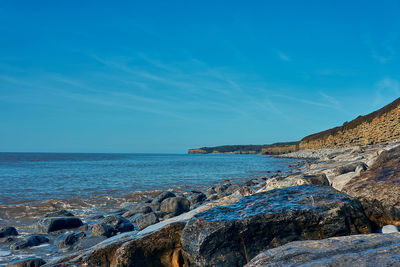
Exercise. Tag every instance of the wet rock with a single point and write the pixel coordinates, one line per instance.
(59, 213)
(140, 208)
(96, 217)
(85, 227)
(213, 197)
(388, 229)
(68, 240)
(210, 191)
(294, 180)
(246, 191)
(8, 231)
(145, 220)
(232, 235)
(118, 212)
(164, 195)
(27, 262)
(51, 224)
(30, 241)
(88, 242)
(197, 199)
(103, 230)
(119, 223)
(356, 250)
(7, 240)
(377, 189)
(175, 205)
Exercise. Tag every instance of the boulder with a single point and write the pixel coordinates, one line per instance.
(8, 231)
(140, 208)
(157, 248)
(164, 195)
(378, 189)
(88, 242)
(30, 241)
(356, 250)
(69, 240)
(59, 213)
(294, 180)
(103, 230)
(27, 262)
(51, 224)
(118, 212)
(232, 235)
(119, 223)
(145, 220)
(197, 199)
(175, 205)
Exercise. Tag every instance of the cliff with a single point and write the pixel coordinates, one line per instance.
(280, 149)
(277, 148)
(380, 126)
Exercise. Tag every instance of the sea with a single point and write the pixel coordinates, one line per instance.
(32, 184)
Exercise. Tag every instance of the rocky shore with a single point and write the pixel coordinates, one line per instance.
(338, 207)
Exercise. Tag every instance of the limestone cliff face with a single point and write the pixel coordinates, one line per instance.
(277, 150)
(380, 126)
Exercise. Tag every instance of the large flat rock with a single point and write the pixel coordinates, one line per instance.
(357, 250)
(232, 235)
(379, 189)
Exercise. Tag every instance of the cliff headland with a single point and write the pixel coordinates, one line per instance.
(338, 206)
(377, 127)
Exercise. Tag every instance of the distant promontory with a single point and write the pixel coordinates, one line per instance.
(377, 127)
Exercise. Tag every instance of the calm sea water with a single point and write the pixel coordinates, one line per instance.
(32, 184)
(26, 177)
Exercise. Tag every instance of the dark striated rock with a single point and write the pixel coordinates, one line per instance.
(164, 195)
(51, 224)
(140, 208)
(103, 230)
(119, 223)
(118, 212)
(145, 220)
(175, 205)
(59, 213)
(378, 189)
(197, 199)
(232, 235)
(68, 240)
(357, 250)
(88, 242)
(8, 231)
(30, 241)
(27, 262)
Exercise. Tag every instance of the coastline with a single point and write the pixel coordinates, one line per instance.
(92, 212)
(316, 170)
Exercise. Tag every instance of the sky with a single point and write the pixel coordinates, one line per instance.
(165, 76)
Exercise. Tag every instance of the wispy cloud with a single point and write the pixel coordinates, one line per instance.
(384, 51)
(283, 56)
(386, 90)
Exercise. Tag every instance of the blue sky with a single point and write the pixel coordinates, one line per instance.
(164, 76)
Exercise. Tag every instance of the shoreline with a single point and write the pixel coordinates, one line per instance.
(93, 211)
(313, 167)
